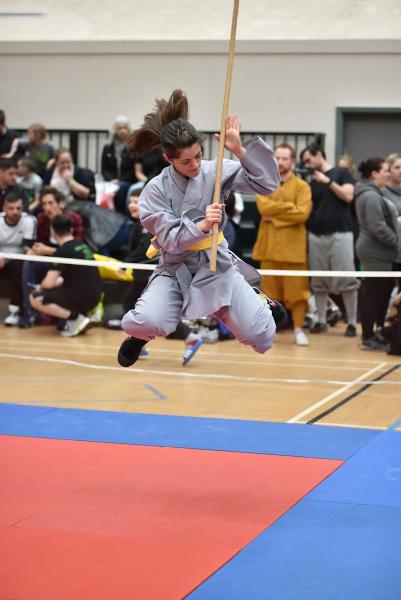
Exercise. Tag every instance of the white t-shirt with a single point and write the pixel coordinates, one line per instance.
(12, 236)
(32, 183)
(60, 183)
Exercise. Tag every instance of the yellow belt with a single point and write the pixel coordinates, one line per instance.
(204, 244)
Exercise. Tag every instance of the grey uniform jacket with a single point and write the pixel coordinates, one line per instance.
(394, 195)
(171, 205)
(378, 241)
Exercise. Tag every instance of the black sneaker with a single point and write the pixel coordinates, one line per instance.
(378, 335)
(277, 309)
(113, 324)
(26, 321)
(60, 325)
(333, 316)
(129, 351)
(318, 328)
(373, 344)
(350, 331)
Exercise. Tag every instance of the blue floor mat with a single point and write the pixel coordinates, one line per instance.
(12, 415)
(283, 439)
(317, 551)
(371, 476)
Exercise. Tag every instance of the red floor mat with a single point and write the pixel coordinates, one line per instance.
(88, 520)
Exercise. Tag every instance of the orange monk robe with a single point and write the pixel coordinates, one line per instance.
(282, 242)
(284, 238)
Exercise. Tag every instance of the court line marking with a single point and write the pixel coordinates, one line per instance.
(210, 358)
(217, 353)
(379, 428)
(395, 425)
(156, 392)
(354, 394)
(326, 399)
(212, 376)
(256, 357)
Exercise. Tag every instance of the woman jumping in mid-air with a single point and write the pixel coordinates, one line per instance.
(176, 207)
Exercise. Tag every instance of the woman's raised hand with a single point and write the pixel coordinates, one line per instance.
(233, 139)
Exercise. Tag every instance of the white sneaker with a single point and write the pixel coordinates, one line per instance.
(96, 315)
(76, 326)
(300, 338)
(12, 319)
(192, 337)
(209, 336)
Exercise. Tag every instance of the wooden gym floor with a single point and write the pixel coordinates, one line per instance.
(237, 476)
(331, 382)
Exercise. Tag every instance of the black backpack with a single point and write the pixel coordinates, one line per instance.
(392, 332)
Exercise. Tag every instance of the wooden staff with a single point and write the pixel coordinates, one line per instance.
(217, 186)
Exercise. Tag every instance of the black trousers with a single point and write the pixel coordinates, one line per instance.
(374, 301)
(11, 281)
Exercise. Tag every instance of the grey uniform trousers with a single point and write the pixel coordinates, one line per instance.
(159, 310)
(332, 252)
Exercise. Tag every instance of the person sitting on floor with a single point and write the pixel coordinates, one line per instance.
(76, 183)
(30, 182)
(8, 181)
(17, 233)
(51, 203)
(38, 148)
(68, 291)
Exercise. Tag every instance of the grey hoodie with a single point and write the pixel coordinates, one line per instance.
(394, 195)
(378, 242)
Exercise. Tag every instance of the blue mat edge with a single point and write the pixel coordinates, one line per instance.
(208, 433)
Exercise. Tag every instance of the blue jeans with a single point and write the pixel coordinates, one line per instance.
(118, 240)
(32, 274)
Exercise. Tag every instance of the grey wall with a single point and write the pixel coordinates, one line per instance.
(81, 86)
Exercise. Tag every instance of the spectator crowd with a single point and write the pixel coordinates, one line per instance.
(320, 218)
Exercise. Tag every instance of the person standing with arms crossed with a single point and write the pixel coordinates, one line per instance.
(331, 238)
(282, 239)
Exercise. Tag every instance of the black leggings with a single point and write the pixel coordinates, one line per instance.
(374, 301)
(11, 279)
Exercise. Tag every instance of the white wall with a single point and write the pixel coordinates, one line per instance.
(273, 91)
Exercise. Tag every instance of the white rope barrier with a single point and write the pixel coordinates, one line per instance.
(147, 267)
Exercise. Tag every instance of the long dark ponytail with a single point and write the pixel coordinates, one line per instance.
(167, 127)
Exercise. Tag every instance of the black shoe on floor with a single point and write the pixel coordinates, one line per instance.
(318, 328)
(277, 309)
(373, 344)
(129, 351)
(112, 324)
(333, 316)
(26, 321)
(350, 331)
(378, 335)
(60, 325)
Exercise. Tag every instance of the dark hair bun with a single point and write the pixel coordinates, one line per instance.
(369, 165)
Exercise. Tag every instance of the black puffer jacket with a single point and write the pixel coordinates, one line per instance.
(109, 165)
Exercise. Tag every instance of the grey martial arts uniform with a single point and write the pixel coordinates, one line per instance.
(182, 285)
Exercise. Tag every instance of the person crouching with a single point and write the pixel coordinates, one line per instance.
(68, 291)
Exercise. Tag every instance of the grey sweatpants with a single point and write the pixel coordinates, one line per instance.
(159, 310)
(333, 252)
